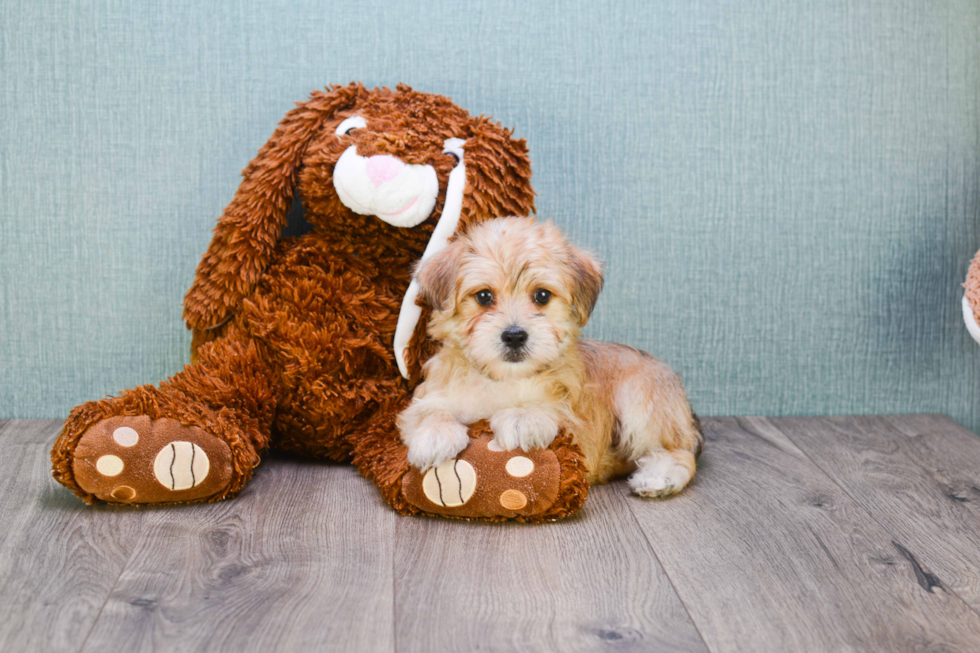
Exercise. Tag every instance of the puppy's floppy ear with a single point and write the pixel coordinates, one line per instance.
(247, 232)
(587, 281)
(437, 275)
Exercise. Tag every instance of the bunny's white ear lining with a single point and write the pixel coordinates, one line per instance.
(971, 320)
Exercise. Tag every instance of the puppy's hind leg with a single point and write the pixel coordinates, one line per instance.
(662, 473)
(658, 431)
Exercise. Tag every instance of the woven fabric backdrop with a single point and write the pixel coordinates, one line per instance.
(785, 191)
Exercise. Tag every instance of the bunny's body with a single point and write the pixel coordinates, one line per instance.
(293, 339)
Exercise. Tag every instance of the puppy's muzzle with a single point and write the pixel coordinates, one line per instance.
(514, 339)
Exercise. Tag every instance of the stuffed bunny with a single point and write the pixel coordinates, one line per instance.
(312, 345)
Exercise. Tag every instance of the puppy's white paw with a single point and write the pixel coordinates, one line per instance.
(523, 428)
(436, 441)
(659, 475)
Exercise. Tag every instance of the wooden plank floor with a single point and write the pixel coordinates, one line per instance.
(802, 534)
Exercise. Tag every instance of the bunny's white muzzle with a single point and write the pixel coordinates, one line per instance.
(401, 194)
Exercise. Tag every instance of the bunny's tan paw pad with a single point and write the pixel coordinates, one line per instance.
(138, 460)
(486, 482)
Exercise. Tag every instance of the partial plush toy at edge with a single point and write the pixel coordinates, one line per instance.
(971, 299)
(312, 345)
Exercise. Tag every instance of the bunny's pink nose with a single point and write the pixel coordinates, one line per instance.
(382, 168)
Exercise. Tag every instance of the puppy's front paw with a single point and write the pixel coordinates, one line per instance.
(436, 441)
(523, 428)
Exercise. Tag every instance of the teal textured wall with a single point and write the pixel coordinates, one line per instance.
(785, 191)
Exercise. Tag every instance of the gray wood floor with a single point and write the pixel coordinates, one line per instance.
(822, 534)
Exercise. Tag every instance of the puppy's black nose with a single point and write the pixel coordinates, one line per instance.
(514, 337)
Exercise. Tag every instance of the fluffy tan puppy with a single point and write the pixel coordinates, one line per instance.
(510, 298)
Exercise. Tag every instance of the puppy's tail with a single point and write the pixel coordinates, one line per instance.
(697, 427)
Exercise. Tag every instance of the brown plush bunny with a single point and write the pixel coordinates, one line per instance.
(312, 345)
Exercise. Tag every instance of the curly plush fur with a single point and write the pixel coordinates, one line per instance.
(292, 338)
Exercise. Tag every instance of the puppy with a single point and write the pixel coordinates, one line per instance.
(509, 299)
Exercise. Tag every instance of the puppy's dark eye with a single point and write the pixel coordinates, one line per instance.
(484, 298)
(542, 296)
(347, 133)
(454, 157)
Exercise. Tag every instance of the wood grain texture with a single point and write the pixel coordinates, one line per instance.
(29, 431)
(918, 475)
(587, 584)
(301, 561)
(768, 554)
(797, 534)
(59, 558)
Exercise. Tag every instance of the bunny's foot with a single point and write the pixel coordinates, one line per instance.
(133, 459)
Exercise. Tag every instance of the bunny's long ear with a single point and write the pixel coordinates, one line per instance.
(498, 174)
(247, 232)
